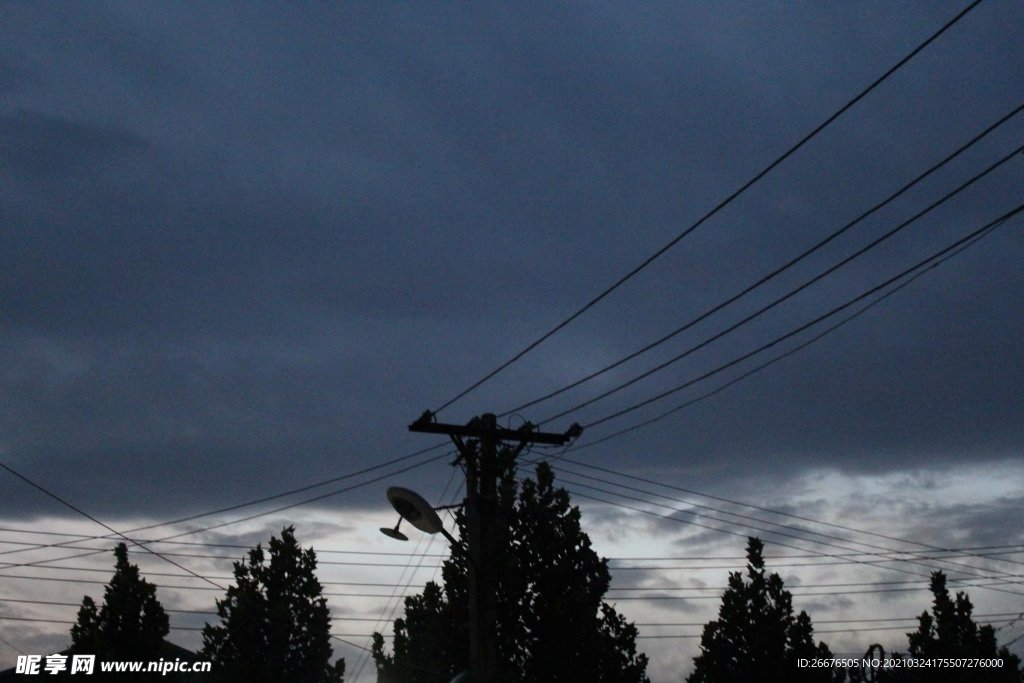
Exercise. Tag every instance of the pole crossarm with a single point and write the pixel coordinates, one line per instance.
(478, 428)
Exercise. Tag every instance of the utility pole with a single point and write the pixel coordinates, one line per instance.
(478, 443)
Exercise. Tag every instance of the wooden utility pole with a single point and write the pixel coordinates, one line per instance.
(478, 443)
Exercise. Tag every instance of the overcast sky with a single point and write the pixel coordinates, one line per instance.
(243, 245)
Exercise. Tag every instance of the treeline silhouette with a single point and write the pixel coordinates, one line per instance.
(553, 623)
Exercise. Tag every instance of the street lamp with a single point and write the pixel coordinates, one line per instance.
(413, 508)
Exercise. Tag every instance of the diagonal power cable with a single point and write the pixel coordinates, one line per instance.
(924, 263)
(777, 271)
(109, 528)
(793, 292)
(239, 520)
(257, 501)
(763, 366)
(718, 207)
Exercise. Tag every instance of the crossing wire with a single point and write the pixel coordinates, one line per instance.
(342, 636)
(57, 603)
(880, 557)
(718, 207)
(680, 636)
(109, 528)
(783, 526)
(966, 551)
(874, 563)
(247, 518)
(266, 499)
(873, 587)
(830, 537)
(92, 537)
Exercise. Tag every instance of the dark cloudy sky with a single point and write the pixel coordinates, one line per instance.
(243, 245)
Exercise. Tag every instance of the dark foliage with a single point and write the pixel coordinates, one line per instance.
(275, 625)
(130, 625)
(756, 636)
(949, 632)
(552, 623)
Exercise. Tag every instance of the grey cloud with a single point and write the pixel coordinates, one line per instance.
(278, 235)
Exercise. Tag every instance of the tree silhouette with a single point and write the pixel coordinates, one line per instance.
(131, 624)
(756, 637)
(950, 632)
(552, 622)
(275, 622)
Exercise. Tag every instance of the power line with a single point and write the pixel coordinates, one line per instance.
(359, 595)
(167, 587)
(250, 517)
(109, 528)
(12, 646)
(326, 593)
(997, 615)
(964, 551)
(199, 612)
(828, 543)
(875, 563)
(883, 557)
(856, 584)
(778, 271)
(40, 564)
(317, 498)
(777, 524)
(66, 622)
(954, 552)
(89, 537)
(349, 643)
(680, 636)
(793, 292)
(835, 560)
(751, 506)
(800, 530)
(301, 489)
(722, 204)
(275, 496)
(923, 263)
(911, 589)
(220, 578)
(753, 371)
(758, 368)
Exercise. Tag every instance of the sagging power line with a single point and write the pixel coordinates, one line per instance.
(717, 208)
